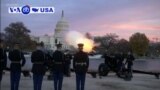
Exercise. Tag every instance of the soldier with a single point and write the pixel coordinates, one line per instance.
(3, 60)
(80, 65)
(120, 59)
(129, 62)
(68, 58)
(38, 58)
(58, 67)
(16, 56)
(106, 58)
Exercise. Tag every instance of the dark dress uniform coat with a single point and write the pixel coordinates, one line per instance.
(130, 59)
(16, 56)
(38, 58)
(59, 61)
(3, 59)
(81, 62)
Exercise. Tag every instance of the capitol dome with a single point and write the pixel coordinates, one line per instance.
(62, 27)
(62, 24)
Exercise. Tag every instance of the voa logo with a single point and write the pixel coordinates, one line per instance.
(31, 10)
(14, 10)
(42, 10)
(47, 10)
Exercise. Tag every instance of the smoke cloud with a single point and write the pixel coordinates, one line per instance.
(74, 37)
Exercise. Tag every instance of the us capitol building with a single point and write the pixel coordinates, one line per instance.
(62, 27)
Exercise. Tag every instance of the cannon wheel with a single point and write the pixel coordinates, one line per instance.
(103, 69)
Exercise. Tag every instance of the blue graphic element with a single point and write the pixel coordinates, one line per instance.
(35, 9)
(26, 9)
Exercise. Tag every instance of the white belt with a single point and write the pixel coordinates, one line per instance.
(81, 64)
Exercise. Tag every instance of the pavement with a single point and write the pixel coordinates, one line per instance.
(111, 82)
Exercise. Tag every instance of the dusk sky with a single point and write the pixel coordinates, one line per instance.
(98, 17)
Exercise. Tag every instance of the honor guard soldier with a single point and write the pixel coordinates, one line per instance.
(107, 58)
(58, 67)
(3, 60)
(38, 58)
(17, 59)
(80, 65)
(68, 58)
(120, 59)
(129, 62)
